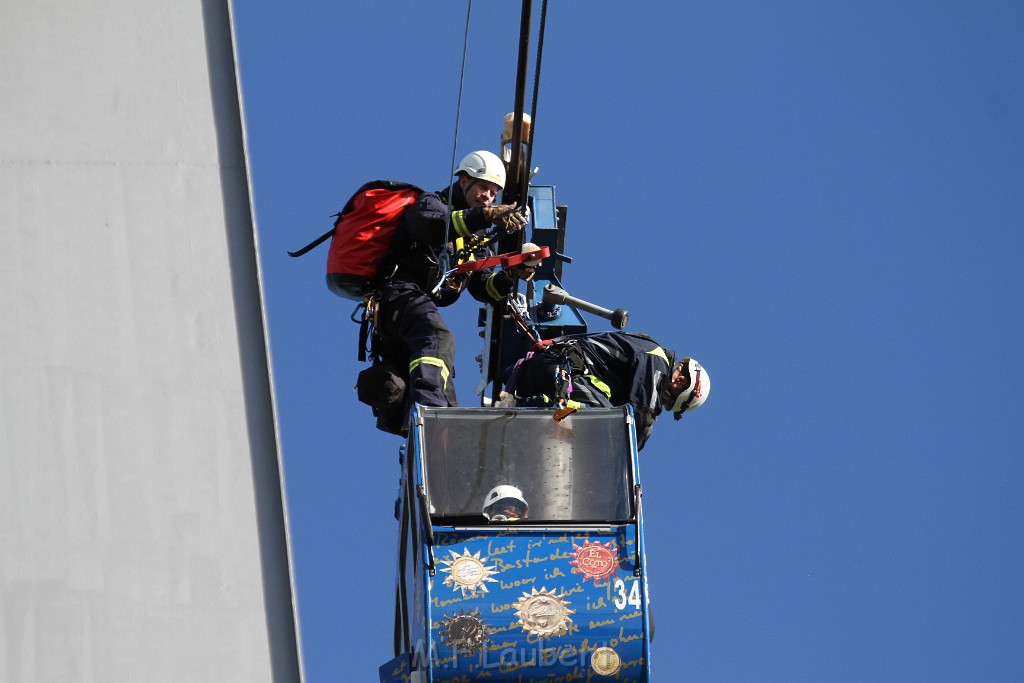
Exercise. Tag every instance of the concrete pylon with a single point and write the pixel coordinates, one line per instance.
(143, 533)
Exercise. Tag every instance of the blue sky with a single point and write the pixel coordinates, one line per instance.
(823, 202)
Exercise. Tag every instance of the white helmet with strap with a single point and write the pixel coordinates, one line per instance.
(483, 165)
(696, 391)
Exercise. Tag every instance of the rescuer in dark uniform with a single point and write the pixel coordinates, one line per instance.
(610, 369)
(409, 327)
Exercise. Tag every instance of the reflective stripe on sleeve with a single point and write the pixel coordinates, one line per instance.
(491, 291)
(459, 223)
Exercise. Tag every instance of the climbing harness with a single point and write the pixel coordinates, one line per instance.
(367, 322)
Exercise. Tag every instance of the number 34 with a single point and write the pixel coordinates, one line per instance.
(621, 600)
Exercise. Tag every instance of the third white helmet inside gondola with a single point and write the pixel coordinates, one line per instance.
(503, 496)
(483, 165)
(696, 382)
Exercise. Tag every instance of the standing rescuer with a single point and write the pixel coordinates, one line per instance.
(409, 326)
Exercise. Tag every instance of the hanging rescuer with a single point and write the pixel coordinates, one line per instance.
(609, 369)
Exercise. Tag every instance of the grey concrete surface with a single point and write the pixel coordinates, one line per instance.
(143, 533)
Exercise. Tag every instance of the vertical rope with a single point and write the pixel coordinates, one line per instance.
(533, 106)
(458, 116)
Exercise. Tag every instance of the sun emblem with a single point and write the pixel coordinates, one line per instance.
(594, 560)
(467, 573)
(465, 631)
(543, 613)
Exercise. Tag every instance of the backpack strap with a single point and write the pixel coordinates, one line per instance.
(315, 243)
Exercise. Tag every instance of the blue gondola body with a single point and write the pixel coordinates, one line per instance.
(558, 596)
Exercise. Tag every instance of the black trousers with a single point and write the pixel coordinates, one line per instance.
(413, 334)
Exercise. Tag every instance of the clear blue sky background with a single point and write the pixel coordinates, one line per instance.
(823, 202)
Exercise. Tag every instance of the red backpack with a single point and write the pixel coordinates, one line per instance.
(362, 235)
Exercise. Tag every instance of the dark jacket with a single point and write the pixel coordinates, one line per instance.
(421, 237)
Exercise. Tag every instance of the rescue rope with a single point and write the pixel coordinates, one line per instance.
(524, 324)
(458, 116)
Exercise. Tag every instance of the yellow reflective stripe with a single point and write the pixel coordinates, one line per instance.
(660, 353)
(573, 404)
(430, 360)
(459, 222)
(600, 385)
(491, 290)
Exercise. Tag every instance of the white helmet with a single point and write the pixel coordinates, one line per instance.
(483, 165)
(698, 389)
(500, 493)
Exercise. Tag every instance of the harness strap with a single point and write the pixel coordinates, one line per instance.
(367, 328)
(315, 243)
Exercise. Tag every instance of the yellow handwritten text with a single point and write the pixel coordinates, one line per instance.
(501, 549)
(518, 582)
(437, 602)
(554, 573)
(623, 638)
